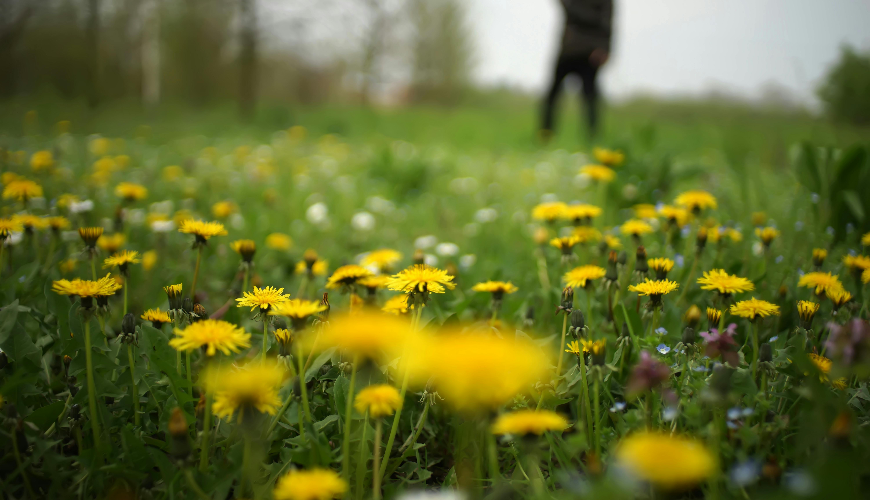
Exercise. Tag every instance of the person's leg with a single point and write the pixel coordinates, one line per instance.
(562, 70)
(589, 76)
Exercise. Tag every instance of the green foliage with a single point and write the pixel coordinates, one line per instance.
(846, 89)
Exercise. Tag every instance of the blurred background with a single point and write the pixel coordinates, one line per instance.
(466, 72)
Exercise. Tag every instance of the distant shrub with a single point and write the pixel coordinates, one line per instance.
(845, 92)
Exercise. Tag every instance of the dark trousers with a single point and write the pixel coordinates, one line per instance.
(580, 66)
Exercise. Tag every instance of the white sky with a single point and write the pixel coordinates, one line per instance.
(677, 46)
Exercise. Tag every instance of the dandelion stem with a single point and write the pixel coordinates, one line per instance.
(597, 428)
(189, 373)
(206, 430)
(277, 417)
(195, 486)
(584, 393)
(348, 413)
(92, 395)
(754, 349)
(265, 339)
(689, 279)
(93, 267)
(588, 290)
(562, 345)
(409, 445)
(492, 458)
(361, 461)
(376, 477)
(134, 388)
(303, 389)
(2, 247)
(245, 279)
(300, 294)
(195, 275)
(126, 283)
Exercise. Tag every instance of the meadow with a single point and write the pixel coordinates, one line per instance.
(355, 303)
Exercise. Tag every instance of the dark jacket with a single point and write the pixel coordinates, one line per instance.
(587, 26)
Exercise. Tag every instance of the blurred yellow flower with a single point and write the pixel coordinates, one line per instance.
(667, 461)
(309, 484)
(635, 227)
(379, 400)
(754, 308)
(696, 200)
(149, 258)
(239, 391)
(111, 243)
(524, 422)
(609, 157)
(224, 209)
(263, 298)
(383, 259)
(549, 211)
(21, 189)
(42, 161)
(579, 277)
(598, 173)
(279, 241)
(130, 191)
(347, 276)
(213, 335)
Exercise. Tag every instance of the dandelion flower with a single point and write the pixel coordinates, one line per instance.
(565, 243)
(839, 298)
(696, 200)
(156, 317)
(245, 248)
(579, 277)
(635, 228)
(122, 260)
(823, 283)
(754, 308)
(129, 191)
(654, 290)
(42, 161)
(823, 364)
(856, 262)
(397, 304)
(586, 234)
(767, 234)
(865, 240)
(598, 173)
(21, 189)
(379, 400)
(347, 276)
(422, 279)
(111, 243)
(496, 288)
(242, 391)
(103, 287)
(581, 212)
(224, 209)
(58, 222)
(674, 215)
(8, 225)
(806, 311)
(279, 241)
(32, 222)
(550, 211)
(310, 484)
(263, 298)
(298, 310)
(201, 230)
(724, 283)
(574, 347)
(612, 242)
(669, 462)
(644, 211)
(383, 259)
(215, 335)
(713, 317)
(609, 157)
(524, 422)
(368, 335)
(661, 266)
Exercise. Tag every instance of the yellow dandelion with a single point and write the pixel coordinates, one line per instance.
(375, 282)
(103, 287)
(298, 309)
(423, 279)
(579, 277)
(245, 248)
(865, 240)
(224, 209)
(598, 173)
(156, 317)
(368, 335)
(149, 259)
(754, 309)
(309, 484)
(263, 298)
(612, 242)
(121, 260)
(644, 211)
(379, 400)
(696, 200)
(496, 288)
(654, 288)
(240, 391)
(839, 298)
(713, 317)
(549, 211)
(279, 241)
(130, 191)
(8, 225)
(667, 461)
(661, 266)
(318, 267)
(856, 262)
(397, 304)
(565, 243)
(212, 334)
(21, 189)
(42, 161)
(807, 310)
(586, 234)
(32, 222)
(525, 422)
(635, 227)
(347, 276)
(58, 222)
(581, 212)
(111, 243)
(674, 215)
(823, 364)
(382, 259)
(822, 283)
(203, 231)
(609, 157)
(724, 283)
(767, 234)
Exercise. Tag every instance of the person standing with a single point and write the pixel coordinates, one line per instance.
(585, 48)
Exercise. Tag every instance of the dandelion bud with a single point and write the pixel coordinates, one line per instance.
(567, 299)
(419, 257)
(622, 258)
(187, 305)
(178, 430)
(765, 354)
(74, 411)
(819, 256)
(173, 293)
(612, 274)
(689, 336)
(324, 315)
(713, 317)
(66, 360)
(90, 235)
(692, 316)
(128, 324)
(599, 352)
(641, 266)
(783, 291)
(285, 338)
(578, 321)
(701, 239)
(199, 312)
(807, 311)
(246, 249)
(720, 381)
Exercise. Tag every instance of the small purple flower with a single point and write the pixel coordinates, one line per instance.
(723, 344)
(850, 342)
(648, 374)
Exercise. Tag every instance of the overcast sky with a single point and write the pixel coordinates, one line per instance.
(677, 46)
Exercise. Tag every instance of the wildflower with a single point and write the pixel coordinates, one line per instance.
(648, 374)
(724, 283)
(213, 335)
(580, 277)
(644, 211)
(243, 391)
(156, 317)
(676, 216)
(379, 400)
(21, 189)
(310, 484)
(397, 304)
(90, 235)
(635, 228)
(32, 222)
(574, 347)
(718, 234)
(612, 242)
(202, 231)
(581, 213)
(807, 311)
(758, 218)
(111, 243)
(279, 241)
(565, 243)
(130, 192)
(722, 344)
(823, 364)
(856, 264)
(819, 255)
(823, 283)
(476, 373)
(368, 335)
(421, 279)
(618, 407)
(696, 201)
(57, 223)
(87, 290)
(347, 276)
(692, 316)
(374, 282)
(598, 173)
(525, 422)
(245, 248)
(767, 235)
(667, 461)
(173, 293)
(865, 240)
(42, 161)
(382, 259)
(839, 298)
(754, 308)
(122, 260)
(284, 338)
(661, 266)
(654, 290)
(549, 212)
(297, 310)
(312, 264)
(8, 225)
(497, 288)
(224, 209)
(263, 298)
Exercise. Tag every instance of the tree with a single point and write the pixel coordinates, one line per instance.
(442, 47)
(845, 91)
